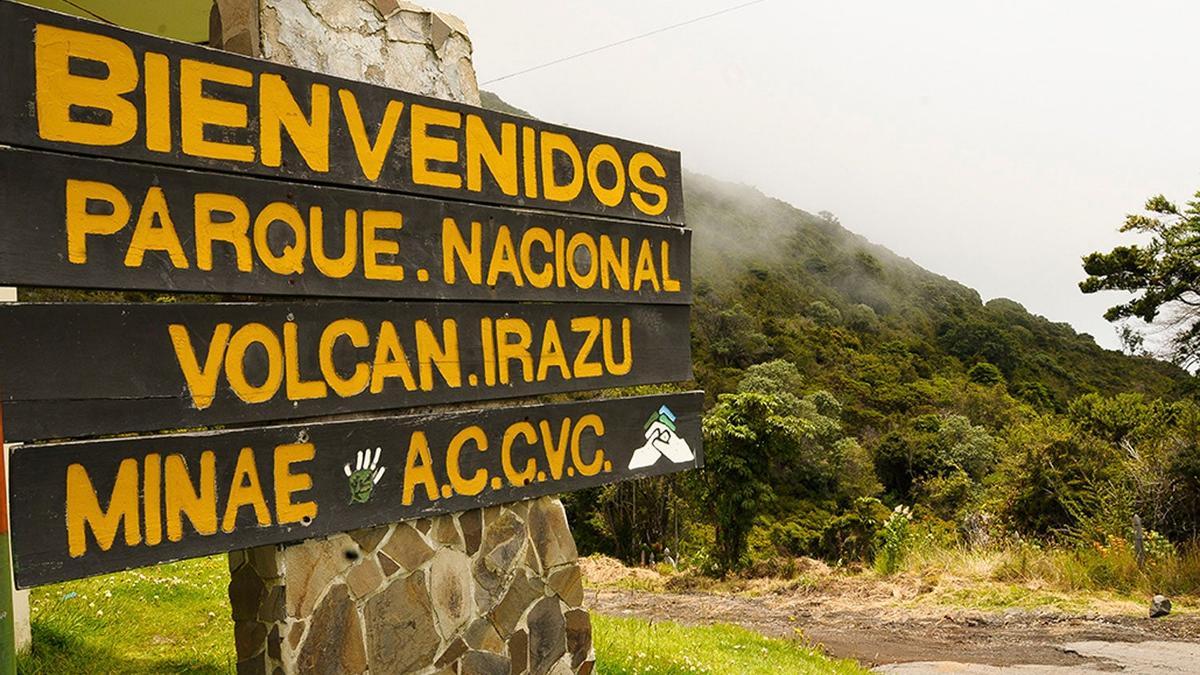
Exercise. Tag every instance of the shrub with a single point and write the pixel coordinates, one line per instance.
(895, 537)
(851, 536)
(823, 313)
(985, 373)
(946, 495)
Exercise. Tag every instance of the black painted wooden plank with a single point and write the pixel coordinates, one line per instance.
(74, 370)
(605, 441)
(530, 253)
(240, 142)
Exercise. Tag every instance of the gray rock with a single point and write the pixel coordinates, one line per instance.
(335, 642)
(401, 635)
(547, 636)
(1160, 606)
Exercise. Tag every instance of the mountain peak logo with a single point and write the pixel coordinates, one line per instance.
(661, 441)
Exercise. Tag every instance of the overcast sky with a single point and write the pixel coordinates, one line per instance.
(991, 142)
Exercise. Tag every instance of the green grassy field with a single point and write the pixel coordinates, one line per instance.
(636, 646)
(175, 619)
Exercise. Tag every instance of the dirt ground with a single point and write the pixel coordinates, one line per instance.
(880, 623)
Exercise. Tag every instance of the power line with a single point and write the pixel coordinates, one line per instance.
(610, 45)
(88, 11)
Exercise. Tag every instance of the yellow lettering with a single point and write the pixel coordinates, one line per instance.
(291, 259)
(426, 148)
(504, 259)
(612, 265)
(183, 499)
(553, 354)
(373, 221)
(235, 363)
(245, 490)
(593, 422)
(297, 388)
(444, 355)
(147, 237)
(197, 111)
(645, 268)
(626, 363)
(519, 350)
(390, 360)
(529, 161)
(478, 480)
(81, 223)
(603, 153)
(526, 431)
(551, 143)
(152, 497)
(58, 90)
(234, 230)
(582, 279)
(556, 454)
(418, 470)
(278, 110)
(637, 164)
(201, 382)
(158, 103)
(501, 161)
(455, 248)
(357, 332)
(669, 285)
(334, 268)
(370, 156)
(84, 511)
(489, 351)
(537, 235)
(288, 484)
(591, 326)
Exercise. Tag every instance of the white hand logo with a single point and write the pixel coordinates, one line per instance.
(365, 476)
(661, 441)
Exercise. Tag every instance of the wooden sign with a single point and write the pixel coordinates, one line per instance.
(101, 506)
(129, 162)
(76, 86)
(69, 370)
(92, 223)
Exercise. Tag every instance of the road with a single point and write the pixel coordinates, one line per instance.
(899, 639)
(1152, 656)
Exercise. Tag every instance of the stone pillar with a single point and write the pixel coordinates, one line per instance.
(387, 42)
(495, 590)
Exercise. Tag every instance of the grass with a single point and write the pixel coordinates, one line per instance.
(1080, 579)
(1081, 569)
(628, 646)
(166, 619)
(175, 619)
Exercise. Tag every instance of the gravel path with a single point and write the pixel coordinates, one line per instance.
(906, 640)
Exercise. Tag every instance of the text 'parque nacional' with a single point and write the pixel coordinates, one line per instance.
(105, 224)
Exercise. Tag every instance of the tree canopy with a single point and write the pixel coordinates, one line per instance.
(1163, 273)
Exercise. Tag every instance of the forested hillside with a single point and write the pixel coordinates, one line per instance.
(858, 402)
(777, 282)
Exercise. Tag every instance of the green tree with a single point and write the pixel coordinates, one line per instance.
(773, 377)
(744, 435)
(985, 373)
(1164, 275)
(823, 313)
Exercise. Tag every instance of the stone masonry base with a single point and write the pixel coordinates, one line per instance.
(494, 590)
